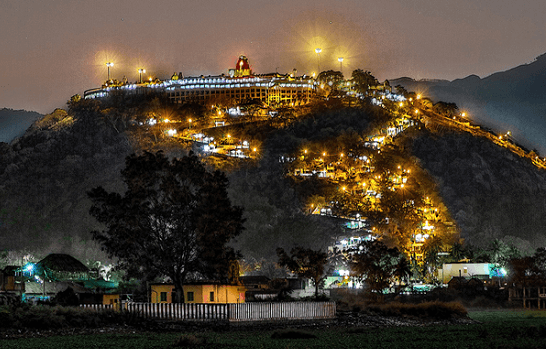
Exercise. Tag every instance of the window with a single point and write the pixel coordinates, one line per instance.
(212, 296)
(163, 296)
(190, 297)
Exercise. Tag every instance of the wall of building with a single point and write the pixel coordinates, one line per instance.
(157, 289)
(201, 293)
(466, 270)
(222, 293)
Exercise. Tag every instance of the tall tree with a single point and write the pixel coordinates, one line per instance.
(363, 80)
(376, 263)
(306, 263)
(175, 219)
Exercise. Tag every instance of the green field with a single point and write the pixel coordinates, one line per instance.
(499, 329)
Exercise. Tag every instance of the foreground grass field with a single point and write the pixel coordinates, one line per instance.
(499, 329)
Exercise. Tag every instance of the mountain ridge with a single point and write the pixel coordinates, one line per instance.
(514, 99)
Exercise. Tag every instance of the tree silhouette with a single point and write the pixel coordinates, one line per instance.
(306, 263)
(175, 219)
(376, 263)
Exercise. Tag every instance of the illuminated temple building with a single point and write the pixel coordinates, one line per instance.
(238, 85)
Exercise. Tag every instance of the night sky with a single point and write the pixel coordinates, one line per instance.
(56, 48)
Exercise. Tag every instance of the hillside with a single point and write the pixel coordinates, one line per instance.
(511, 100)
(491, 192)
(486, 190)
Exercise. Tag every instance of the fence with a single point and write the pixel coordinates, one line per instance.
(232, 312)
(282, 311)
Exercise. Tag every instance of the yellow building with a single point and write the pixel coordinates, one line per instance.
(199, 293)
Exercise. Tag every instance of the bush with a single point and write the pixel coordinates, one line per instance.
(436, 310)
(44, 317)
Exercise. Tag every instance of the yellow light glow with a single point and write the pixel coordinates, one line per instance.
(341, 154)
(418, 97)
(318, 50)
(416, 111)
(324, 154)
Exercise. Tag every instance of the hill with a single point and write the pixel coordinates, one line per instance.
(511, 100)
(13, 123)
(486, 190)
(491, 192)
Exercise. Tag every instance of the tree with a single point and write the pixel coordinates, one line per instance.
(329, 81)
(363, 80)
(174, 220)
(306, 263)
(377, 264)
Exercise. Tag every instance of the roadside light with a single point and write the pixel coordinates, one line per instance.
(418, 97)
(324, 154)
(341, 154)
(305, 151)
(463, 115)
(416, 111)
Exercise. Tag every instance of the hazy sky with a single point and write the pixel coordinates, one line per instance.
(52, 49)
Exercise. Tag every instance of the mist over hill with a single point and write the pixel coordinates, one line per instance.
(511, 100)
(13, 123)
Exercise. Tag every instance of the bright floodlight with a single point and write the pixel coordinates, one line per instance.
(318, 50)
(109, 64)
(340, 59)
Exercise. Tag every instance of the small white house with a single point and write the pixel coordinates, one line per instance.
(466, 270)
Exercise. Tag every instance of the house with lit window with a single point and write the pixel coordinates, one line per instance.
(199, 292)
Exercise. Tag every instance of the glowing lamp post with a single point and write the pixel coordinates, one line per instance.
(318, 50)
(140, 71)
(109, 64)
(340, 60)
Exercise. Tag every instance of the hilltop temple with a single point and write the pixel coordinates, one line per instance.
(238, 85)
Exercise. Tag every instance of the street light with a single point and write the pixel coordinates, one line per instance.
(318, 50)
(140, 71)
(340, 60)
(109, 64)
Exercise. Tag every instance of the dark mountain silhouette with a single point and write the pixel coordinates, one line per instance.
(491, 192)
(511, 100)
(13, 123)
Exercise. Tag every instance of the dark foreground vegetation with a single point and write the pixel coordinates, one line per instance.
(389, 325)
(491, 329)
